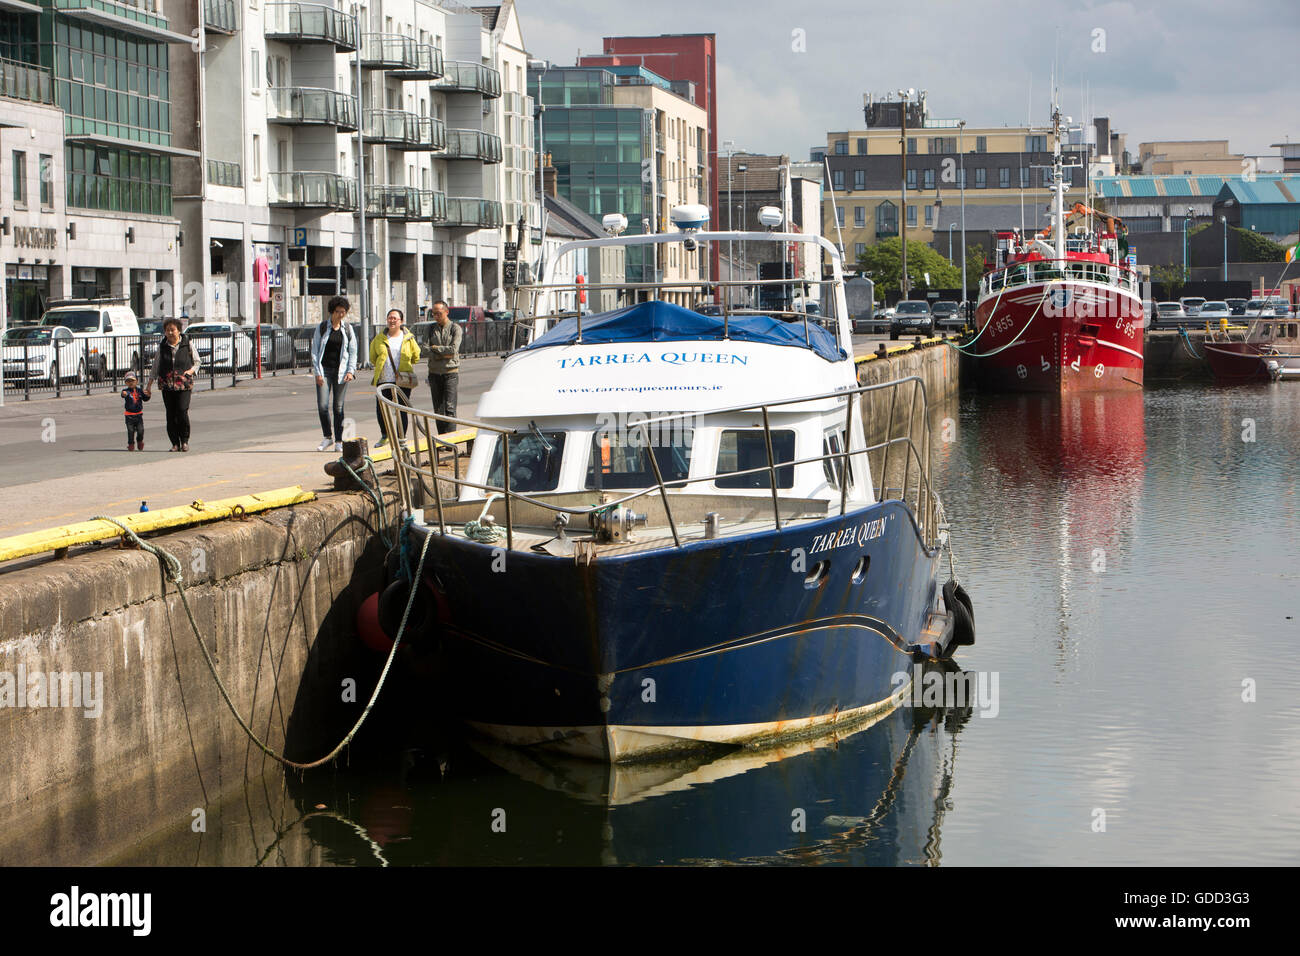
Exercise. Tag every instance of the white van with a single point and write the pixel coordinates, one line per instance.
(108, 336)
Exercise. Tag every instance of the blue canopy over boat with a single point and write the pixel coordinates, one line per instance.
(665, 322)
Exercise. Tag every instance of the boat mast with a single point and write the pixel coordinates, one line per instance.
(1058, 182)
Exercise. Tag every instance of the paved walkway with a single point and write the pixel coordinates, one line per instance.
(65, 459)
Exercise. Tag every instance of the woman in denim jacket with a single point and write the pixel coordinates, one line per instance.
(334, 360)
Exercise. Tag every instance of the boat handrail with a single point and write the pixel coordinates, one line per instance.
(413, 476)
(1048, 270)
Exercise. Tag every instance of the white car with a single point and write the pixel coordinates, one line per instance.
(1192, 304)
(1168, 312)
(1216, 309)
(1259, 307)
(40, 353)
(213, 343)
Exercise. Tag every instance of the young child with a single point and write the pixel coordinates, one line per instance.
(134, 399)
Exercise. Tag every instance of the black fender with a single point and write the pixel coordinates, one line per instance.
(958, 602)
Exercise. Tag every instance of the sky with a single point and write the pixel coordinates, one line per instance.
(1160, 69)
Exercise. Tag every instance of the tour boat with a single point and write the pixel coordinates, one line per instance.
(1063, 315)
(683, 524)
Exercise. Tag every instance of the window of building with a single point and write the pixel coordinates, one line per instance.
(1004, 177)
(981, 177)
(911, 144)
(257, 156)
(929, 178)
(841, 147)
(859, 179)
(886, 219)
(859, 216)
(929, 215)
(255, 68)
(839, 215)
(981, 144)
(1024, 177)
(862, 146)
(859, 249)
(1047, 178)
(46, 170)
(911, 214)
(911, 179)
(1036, 144)
(837, 177)
(20, 178)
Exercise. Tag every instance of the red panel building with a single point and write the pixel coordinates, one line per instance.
(676, 56)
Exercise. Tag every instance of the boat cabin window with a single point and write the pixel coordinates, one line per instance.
(741, 450)
(534, 462)
(621, 459)
(833, 444)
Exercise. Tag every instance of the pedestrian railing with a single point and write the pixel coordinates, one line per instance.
(418, 477)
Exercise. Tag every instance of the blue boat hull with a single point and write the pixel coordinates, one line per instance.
(728, 640)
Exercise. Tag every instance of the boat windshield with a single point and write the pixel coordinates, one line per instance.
(534, 462)
(621, 460)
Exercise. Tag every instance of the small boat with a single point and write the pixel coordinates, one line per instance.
(1063, 315)
(1267, 351)
(683, 524)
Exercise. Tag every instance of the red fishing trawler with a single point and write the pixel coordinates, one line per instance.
(1061, 311)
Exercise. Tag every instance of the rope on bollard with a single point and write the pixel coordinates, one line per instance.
(172, 571)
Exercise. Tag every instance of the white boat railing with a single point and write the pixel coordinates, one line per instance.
(1058, 270)
(418, 479)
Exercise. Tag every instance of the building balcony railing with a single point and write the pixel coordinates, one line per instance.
(402, 130)
(221, 173)
(473, 144)
(134, 10)
(405, 203)
(308, 106)
(312, 190)
(221, 16)
(465, 213)
(887, 230)
(23, 81)
(461, 77)
(389, 51)
(428, 64)
(311, 23)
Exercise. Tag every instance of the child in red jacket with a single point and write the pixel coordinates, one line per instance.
(134, 398)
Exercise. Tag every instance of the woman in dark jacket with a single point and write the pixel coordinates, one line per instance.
(174, 368)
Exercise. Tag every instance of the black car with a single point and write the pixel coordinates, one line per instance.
(912, 315)
(1237, 306)
(947, 315)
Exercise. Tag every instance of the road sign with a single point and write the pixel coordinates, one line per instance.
(354, 261)
(512, 252)
(509, 273)
(536, 234)
(300, 237)
(269, 251)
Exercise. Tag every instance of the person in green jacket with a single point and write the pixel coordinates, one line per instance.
(393, 354)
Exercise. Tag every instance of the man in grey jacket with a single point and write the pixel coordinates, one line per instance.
(444, 364)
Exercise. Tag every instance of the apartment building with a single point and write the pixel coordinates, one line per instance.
(406, 115)
(88, 144)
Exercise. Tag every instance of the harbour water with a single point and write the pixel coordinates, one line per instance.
(1134, 562)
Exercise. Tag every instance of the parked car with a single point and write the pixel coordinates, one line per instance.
(505, 315)
(912, 315)
(151, 334)
(1192, 305)
(277, 347)
(300, 336)
(41, 353)
(1168, 313)
(1281, 307)
(1215, 309)
(1258, 307)
(467, 313)
(709, 308)
(216, 342)
(947, 315)
(1238, 306)
(111, 333)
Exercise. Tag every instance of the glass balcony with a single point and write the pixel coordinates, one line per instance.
(23, 81)
(429, 66)
(221, 173)
(311, 23)
(389, 51)
(307, 106)
(402, 130)
(220, 16)
(463, 213)
(473, 144)
(461, 77)
(405, 203)
(312, 190)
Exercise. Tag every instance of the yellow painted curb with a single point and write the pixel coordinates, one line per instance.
(86, 532)
(894, 350)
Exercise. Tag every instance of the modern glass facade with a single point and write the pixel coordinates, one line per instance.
(122, 180)
(111, 83)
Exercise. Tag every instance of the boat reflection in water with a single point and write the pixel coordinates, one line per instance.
(871, 794)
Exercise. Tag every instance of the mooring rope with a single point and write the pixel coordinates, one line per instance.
(376, 497)
(1016, 339)
(1187, 342)
(172, 571)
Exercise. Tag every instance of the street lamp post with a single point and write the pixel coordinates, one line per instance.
(1186, 218)
(743, 169)
(951, 227)
(902, 152)
(363, 305)
(961, 160)
(1224, 220)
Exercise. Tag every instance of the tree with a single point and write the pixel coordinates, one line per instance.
(882, 264)
(1172, 277)
(1252, 247)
